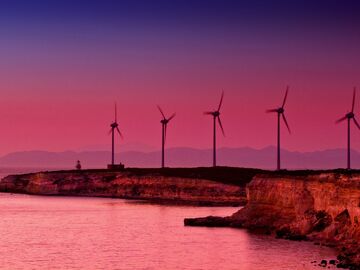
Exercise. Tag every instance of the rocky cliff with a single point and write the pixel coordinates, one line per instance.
(130, 184)
(323, 207)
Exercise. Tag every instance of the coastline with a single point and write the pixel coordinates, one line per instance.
(318, 206)
(323, 207)
(219, 186)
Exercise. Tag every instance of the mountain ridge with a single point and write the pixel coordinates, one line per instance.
(263, 158)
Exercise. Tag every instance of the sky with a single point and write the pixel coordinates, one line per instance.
(64, 64)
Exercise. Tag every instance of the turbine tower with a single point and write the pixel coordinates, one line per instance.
(350, 115)
(216, 115)
(164, 123)
(280, 114)
(114, 126)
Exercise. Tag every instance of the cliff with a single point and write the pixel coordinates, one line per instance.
(322, 207)
(192, 186)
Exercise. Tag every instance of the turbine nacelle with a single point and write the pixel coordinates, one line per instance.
(215, 113)
(280, 110)
(350, 115)
(165, 121)
(114, 125)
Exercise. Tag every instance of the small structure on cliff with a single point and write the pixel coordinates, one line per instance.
(78, 165)
(116, 166)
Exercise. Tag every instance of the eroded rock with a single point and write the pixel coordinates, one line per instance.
(323, 207)
(125, 184)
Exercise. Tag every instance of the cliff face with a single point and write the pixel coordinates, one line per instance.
(126, 185)
(322, 207)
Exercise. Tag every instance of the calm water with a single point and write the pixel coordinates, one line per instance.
(96, 233)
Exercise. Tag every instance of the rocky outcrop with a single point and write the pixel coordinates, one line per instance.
(127, 184)
(322, 207)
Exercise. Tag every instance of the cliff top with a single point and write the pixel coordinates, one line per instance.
(227, 175)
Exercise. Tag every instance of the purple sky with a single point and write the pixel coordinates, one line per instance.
(65, 63)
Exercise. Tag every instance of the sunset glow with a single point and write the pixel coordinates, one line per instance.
(64, 65)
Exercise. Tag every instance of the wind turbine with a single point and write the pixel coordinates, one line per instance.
(350, 115)
(280, 114)
(216, 115)
(114, 126)
(164, 123)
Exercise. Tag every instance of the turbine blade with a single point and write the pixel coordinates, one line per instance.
(110, 131)
(353, 102)
(221, 100)
(162, 113)
(340, 120)
(208, 113)
(271, 111)
(118, 130)
(286, 123)
(165, 130)
(221, 126)
(285, 98)
(172, 116)
(115, 113)
(356, 123)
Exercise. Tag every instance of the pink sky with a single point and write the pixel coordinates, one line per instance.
(60, 79)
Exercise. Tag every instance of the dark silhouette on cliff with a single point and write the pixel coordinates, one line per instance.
(280, 114)
(216, 115)
(78, 165)
(164, 122)
(114, 126)
(350, 115)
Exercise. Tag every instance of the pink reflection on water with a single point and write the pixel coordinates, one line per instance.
(93, 233)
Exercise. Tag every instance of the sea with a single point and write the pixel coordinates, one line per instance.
(50, 232)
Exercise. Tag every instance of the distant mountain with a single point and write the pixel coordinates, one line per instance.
(184, 157)
(125, 147)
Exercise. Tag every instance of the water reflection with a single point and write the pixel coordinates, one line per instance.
(98, 233)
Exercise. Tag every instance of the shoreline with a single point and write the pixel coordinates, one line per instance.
(318, 206)
(158, 201)
(219, 186)
(323, 208)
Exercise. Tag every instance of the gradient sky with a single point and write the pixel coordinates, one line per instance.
(64, 63)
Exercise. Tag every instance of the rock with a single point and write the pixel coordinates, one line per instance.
(332, 262)
(323, 220)
(297, 237)
(128, 184)
(286, 233)
(342, 265)
(210, 221)
(318, 206)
